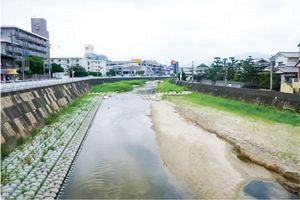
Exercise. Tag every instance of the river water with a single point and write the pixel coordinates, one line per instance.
(120, 158)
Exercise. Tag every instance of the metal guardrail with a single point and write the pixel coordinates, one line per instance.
(16, 86)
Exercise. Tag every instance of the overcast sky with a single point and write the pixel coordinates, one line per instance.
(183, 30)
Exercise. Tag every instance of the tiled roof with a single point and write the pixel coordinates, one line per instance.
(288, 54)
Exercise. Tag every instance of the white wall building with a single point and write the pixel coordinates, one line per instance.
(286, 59)
(285, 65)
(91, 62)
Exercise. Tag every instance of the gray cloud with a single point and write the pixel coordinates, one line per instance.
(185, 30)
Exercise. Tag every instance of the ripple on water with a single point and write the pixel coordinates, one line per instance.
(259, 189)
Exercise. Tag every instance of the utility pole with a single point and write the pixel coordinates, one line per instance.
(192, 71)
(271, 74)
(48, 60)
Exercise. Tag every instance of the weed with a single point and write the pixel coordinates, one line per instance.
(166, 86)
(28, 160)
(51, 148)
(4, 152)
(120, 86)
(23, 190)
(5, 178)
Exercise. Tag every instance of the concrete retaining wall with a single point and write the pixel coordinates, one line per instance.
(271, 98)
(24, 110)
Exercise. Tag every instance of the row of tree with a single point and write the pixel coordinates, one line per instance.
(36, 65)
(244, 70)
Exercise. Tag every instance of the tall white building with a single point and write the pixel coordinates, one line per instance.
(91, 62)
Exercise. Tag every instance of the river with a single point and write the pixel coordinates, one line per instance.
(120, 157)
(123, 158)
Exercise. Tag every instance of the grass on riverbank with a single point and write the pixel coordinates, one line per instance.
(265, 113)
(120, 86)
(165, 86)
(261, 112)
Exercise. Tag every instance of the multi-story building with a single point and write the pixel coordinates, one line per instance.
(125, 68)
(153, 68)
(20, 43)
(91, 62)
(39, 26)
(67, 62)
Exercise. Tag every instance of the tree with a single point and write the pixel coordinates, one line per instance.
(95, 74)
(248, 72)
(78, 71)
(264, 80)
(56, 68)
(36, 64)
(232, 69)
(216, 70)
(111, 72)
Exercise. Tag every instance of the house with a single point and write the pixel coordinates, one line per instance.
(285, 65)
(201, 69)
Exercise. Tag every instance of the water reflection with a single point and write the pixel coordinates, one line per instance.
(267, 190)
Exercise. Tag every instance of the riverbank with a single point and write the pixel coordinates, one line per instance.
(37, 169)
(260, 142)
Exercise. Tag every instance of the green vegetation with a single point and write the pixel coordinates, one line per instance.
(36, 64)
(166, 86)
(5, 178)
(27, 160)
(68, 109)
(265, 113)
(120, 86)
(56, 68)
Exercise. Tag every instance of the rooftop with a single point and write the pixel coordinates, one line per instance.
(282, 70)
(15, 27)
(287, 54)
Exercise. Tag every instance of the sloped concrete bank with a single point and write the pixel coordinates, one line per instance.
(22, 111)
(26, 109)
(38, 169)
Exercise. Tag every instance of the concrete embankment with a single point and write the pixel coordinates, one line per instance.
(198, 144)
(38, 169)
(22, 111)
(26, 109)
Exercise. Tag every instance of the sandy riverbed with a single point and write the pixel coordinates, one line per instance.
(203, 160)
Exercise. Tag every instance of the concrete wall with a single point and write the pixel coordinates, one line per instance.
(270, 98)
(22, 111)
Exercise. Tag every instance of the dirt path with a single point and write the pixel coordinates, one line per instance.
(204, 161)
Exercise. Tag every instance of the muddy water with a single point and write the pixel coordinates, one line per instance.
(119, 158)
